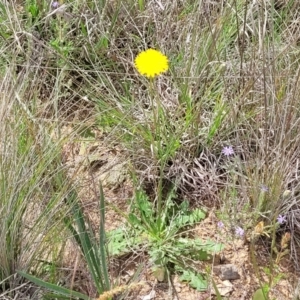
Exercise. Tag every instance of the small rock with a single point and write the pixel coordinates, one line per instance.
(150, 296)
(223, 290)
(226, 272)
(114, 176)
(227, 283)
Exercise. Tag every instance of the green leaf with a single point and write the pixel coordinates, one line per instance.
(134, 220)
(195, 280)
(219, 297)
(120, 243)
(159, 273)
(94, 254)
(259, 295)
(184, 206)
(102, 250)
(117, 243)
(189, 218)
(198, 247)
(52, 296)
(209, 246)
(55, 288)
(197, 215)
(202, 255)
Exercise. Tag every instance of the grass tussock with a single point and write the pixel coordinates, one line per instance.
(222, 125)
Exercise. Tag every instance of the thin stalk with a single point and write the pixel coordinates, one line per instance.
(156, 144)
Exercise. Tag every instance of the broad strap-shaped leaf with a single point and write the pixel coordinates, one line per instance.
(54, 288)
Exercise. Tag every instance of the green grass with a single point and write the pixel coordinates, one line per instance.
(233, 81)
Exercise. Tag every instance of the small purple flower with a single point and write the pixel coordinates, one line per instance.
(227, 151)
(239, 231)
(281, 219)
(264, 188)
(55, 4)
(220, 224)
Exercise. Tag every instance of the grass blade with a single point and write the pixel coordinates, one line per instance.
(86, 241)
(52, 287)
(102, 241)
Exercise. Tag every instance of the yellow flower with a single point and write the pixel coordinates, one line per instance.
(151, 63)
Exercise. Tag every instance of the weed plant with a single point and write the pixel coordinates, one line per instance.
(165, 238)
(222, 123)
(94, 252)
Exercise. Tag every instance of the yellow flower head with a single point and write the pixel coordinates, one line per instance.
(151, 63)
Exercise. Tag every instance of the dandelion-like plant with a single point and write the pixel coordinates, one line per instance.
(151, 63)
